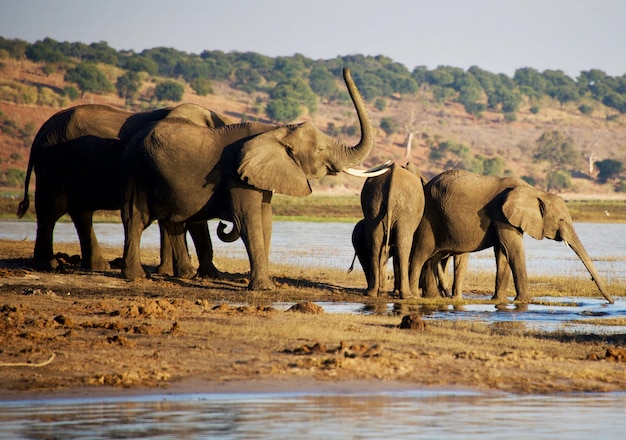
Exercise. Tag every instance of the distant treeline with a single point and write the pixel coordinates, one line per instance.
(298, 80)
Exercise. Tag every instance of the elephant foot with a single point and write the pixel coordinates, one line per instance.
(185, 271)
(132, 274)
(209, 272)
(500, 298)
(371, 293)
(98, 265)
(47, 265)
(164, 269)
(525, 299)
(261, 285)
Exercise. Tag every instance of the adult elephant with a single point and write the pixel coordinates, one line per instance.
(76, 156)
(392, 204)
(176, 172)
(467, 212)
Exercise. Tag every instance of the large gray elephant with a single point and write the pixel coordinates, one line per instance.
(76, 157)
(467, 212)
(392, 204)
(176, 172)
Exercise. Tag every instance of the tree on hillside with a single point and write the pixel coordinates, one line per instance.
(561, 87)
(322, 82)
(283, 109)
(169, 91)
(608, 169)
(127, 85)
(89, 79)
(557, 150)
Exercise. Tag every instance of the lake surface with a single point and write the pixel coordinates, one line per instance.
(330, 245)
(413, 413)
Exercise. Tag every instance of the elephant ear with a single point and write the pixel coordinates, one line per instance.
(267, 163)
(524, 210)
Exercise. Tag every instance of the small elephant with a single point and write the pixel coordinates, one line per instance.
(176, 172)
(76, 157)
(392, 204)
(362, 252)
(466, 212)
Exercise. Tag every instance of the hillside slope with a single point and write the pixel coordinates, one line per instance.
(489, 136)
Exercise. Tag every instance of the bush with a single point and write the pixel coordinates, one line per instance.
(559, 180)
(389, 125)
(169, 91)
(201, 86)
(71, 92)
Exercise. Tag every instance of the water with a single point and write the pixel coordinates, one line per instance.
(330, 245)
(412, 413)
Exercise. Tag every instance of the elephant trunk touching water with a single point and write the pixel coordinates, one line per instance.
(467, 212)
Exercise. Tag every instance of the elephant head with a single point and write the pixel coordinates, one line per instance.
(286, 158)
(544, 215)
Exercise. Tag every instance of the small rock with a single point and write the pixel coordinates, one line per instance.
(306, 307)
(412, 322)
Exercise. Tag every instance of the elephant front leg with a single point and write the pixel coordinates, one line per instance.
(251, 216)
(511, 242)
(503, 275)
(92, 258)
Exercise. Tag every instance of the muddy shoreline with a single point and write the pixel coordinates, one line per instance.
(111, 337)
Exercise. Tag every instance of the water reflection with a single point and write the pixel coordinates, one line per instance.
(396, 414)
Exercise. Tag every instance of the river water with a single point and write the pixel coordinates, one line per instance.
(412, 413)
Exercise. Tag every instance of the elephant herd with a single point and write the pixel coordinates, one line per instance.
(184, 165)
(421, 224)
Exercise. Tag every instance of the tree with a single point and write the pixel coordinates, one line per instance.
(322, 82)
(283, 109)
(559, 180)
(89, 79)
(201, 86)
(556, 149)
(493, 166)
(169, 91)
(608, 169)
(127, 85)
(389, 125)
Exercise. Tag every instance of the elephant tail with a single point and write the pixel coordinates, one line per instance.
(227, 237)
(25, 203)
(351, 268)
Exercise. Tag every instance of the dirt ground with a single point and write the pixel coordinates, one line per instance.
(83, 333)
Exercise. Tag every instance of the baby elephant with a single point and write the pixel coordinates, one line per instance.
(392, 205)
(362, 252)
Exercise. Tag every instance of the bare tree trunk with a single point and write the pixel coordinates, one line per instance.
(409, 143)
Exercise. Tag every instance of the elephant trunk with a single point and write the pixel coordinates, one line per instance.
(350, 156)
(578, 248)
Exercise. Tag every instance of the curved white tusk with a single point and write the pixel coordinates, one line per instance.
(370, 172)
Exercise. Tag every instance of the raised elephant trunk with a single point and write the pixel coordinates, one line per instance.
(577, 247)
(350, 156)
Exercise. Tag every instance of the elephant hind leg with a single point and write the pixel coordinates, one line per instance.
(91, 256)
(180, 253)
(49, 208)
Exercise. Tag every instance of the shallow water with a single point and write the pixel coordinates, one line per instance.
(329, 244)
(396, 414)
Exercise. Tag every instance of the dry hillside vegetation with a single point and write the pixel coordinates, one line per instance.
(488, 136)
